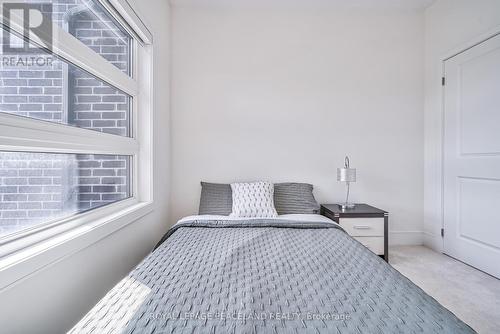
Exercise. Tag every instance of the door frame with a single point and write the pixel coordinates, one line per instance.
(446, 56)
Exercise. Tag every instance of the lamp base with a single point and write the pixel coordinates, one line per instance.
(347, 206)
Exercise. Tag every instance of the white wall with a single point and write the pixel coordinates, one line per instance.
(283, 95)
(53, 299)
(450, 25)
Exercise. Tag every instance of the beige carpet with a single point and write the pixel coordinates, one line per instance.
(470, 294)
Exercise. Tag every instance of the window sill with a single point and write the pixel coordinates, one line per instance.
(25, 262)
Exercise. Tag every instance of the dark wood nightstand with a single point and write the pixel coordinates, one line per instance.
(364, 223)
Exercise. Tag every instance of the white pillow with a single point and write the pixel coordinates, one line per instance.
(253, 200)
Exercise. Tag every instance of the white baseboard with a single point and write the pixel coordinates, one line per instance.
(433, 241)
(407, 238)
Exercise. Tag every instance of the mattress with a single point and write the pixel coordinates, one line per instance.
(292, 274)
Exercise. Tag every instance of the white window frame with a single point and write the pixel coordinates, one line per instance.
(27, 251)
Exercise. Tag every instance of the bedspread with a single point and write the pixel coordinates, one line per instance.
(265, 276)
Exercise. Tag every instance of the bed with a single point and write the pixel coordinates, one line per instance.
(294, 273)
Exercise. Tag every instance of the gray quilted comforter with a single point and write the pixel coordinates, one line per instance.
(265, 276)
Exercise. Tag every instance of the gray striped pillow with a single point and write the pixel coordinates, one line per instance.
(216, 199)
(292, 198)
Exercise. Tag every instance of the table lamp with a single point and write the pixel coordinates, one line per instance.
(346, 175)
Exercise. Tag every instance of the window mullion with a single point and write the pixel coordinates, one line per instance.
(24, 134)
(74, 51)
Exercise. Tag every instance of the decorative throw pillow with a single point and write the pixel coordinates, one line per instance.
(216, 199)
(294, 198)
(253, 200)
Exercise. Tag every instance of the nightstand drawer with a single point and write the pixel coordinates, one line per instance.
(375, 244)
(363, 227)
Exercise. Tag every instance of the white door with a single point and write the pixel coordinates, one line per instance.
(472, 156)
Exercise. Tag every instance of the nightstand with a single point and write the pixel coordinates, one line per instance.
(364, 223)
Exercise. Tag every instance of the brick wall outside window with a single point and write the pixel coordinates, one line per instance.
(34, 187)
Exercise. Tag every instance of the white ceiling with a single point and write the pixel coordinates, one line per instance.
(361, 4)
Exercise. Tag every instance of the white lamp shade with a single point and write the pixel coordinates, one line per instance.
(346, 174)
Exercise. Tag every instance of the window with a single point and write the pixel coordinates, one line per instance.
(54, 90)
(91, 24)
(71, 102)
(41, 187)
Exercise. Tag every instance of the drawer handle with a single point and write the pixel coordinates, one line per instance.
(361, 227)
